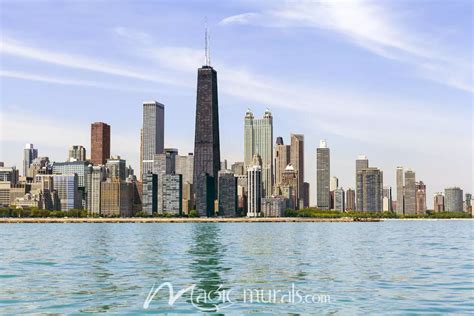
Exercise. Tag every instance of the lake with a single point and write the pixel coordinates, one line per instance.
(395, 267)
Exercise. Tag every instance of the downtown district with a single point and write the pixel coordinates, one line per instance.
(269, 181)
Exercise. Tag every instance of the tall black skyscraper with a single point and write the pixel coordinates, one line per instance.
(206, 140)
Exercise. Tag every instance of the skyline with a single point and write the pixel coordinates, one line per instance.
(416, 145)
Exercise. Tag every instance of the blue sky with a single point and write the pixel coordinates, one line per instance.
(388, 79)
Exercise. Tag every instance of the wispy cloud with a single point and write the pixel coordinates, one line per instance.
(374, 27)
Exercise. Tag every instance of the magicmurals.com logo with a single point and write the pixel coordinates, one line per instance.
(221, 298)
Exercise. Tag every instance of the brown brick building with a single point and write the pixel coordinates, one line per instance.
(100, 143)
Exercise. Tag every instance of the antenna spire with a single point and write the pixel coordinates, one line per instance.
(207, 48)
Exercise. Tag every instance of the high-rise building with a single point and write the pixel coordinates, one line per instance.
(98, 175)
(117, 168)
(323, 176)
(350, 200)
(387, 199)
(67, 187)
(116, 198)
(258, 140)
(242, 193)
(400, 191)
(297, 160)
(274, 206)
(29, 154)
(77, 152)
(453, 199)
(207, 156)
(468, 203)
(370, 182)
(282, 159)
(100, 143)
(149, 193)
(420, 198)
(170, 199)
(188, 197)
(361, 163)
(227, 193)
(9, 174)
(438, 203)
(409, 193)
(39, 165)
(165, 163)
(339, 199)
(238, 168)
(334, 184)
(224, 165)
(81, 168)
(184, 166)
(305, 194)
(289, 186)
(153, 134)
(254, 176)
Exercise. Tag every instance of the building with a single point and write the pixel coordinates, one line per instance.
(207, 155)
(438, 203)
(82, 169)
(66, 186)
(149, 193)
(184, 166)
(204, 194)
(274, 206)
(362, 162)
(282, 159)
(242, 193)
(387, 199)
(258, 140)
(39, 165)
(98, 175)
(117, 168)
(420, 197)
(116, 198)
(238, 168)
(306, 194)
(77, 153)
(468, 203)
(165, 163)
(339, 199)
(29, 154)
(170, 190)
(44, 187)
(100, 143)
(323, 176)
(227, 193)
(350, 200)
(289, 186)
(334, 184)
(5, 187)
(9, 174)
(370, 182)
(400, 191)
(254, 177)
(153, 134)
(297, 161)
(188, 197)
(224, 165)
(453, 199)
(409, 193)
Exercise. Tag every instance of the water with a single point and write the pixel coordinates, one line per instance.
(395, 267)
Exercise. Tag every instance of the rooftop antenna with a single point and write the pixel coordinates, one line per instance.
(207, 39)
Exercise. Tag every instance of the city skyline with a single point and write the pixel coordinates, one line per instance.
(386, 147)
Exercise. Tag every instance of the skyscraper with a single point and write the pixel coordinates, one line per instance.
(400, 192)
(323, 176)
(350, 200)
(100, 143)
(66, 186)
(153, 133)
(29, 154)
(150, 190)
(258, 140)
(77, 152)
(334, 184)
(453, 199)
(339, 199)
(297, 161)
(117, 168)
(207, 156)
(289, 185)
(409, 193)
(169, 197)
(387, 199)
(420, 198)
(254, 176)
(184, 166)
(98, 175)
(282, 159)
(361, 163)
(370, 181)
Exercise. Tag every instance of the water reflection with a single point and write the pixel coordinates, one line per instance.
(206, 266)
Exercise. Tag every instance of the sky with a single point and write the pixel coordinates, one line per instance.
(392, 80)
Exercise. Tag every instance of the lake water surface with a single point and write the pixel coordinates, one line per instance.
(395, 267)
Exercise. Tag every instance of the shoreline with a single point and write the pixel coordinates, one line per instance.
(10, 220)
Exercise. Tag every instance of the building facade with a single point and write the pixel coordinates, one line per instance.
(67, 187)
(153, 134)
(370, 181)
(438, 202)
(254, 177)
(297, 161)
(453, 199)
(323, 176)
(420, 198)
(184, 166)
(77, 152)
(400, 191)
(282, 159)
(274, 206)
(362, 162)
(149, 194)
(227, 193)
(29, 154)
(387, 199)
(100, 143)
(339, 199)
(170, 190)
(350, 200)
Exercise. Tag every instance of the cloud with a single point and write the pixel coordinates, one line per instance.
(378, 29)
